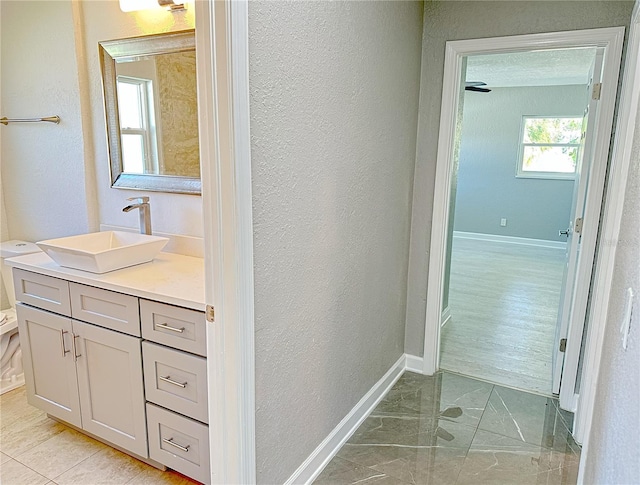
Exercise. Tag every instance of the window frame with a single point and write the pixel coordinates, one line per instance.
(529, 174)
(147, 130)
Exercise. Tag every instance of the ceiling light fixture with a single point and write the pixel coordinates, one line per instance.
(133, 5)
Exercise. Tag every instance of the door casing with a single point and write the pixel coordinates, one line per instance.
(611, 40)
(621, 160)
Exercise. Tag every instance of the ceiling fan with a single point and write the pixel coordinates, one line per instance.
(475, 86)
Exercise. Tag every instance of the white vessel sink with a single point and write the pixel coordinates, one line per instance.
(101, 252)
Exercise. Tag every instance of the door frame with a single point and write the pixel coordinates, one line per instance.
(614, 203)
(611, 39)
(222, 59)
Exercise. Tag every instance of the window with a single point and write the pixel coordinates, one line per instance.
(549, 147)
(135, 105)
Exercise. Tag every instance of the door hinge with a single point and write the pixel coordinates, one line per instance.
(563, 344)
(595, 92)
(578, 226)
(210, 314)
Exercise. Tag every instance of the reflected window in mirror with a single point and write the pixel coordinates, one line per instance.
(152, 112)
(137, 125)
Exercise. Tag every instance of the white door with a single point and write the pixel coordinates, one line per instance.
(50, 370)
(111, 389)
(570, 313)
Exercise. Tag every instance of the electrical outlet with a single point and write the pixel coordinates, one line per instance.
(503, 221)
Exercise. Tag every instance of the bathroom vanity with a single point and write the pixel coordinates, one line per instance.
(120, 355)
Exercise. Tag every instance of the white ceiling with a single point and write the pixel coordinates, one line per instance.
(539, 68)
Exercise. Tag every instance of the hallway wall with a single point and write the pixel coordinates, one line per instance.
(334, 90)
(615, 432)
(455, 20)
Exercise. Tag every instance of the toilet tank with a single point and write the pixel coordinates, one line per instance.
(10, 249)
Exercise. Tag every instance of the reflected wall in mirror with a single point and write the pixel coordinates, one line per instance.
(151, 112)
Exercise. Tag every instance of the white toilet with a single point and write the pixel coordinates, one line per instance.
(11, 373)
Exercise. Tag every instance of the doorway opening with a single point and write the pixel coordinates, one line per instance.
(518, 160)
(513, 248)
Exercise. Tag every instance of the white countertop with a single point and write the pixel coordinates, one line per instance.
(169, 278)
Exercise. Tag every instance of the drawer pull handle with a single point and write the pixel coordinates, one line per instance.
(171, 381)
(64, 351)
(169, 327)
(180, 447)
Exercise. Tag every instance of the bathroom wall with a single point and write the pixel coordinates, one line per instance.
(334, 90)
(455, 20)
(488, 188)
(103, 20)
(612, 455)
(4, 299)
(44, 178)
(55, 178)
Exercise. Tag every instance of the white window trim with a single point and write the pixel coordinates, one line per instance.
(524, 174)
(150, 154)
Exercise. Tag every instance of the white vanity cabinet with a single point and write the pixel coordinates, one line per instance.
(49, 366)
(124, 368)
(86, 375)
(109, 366)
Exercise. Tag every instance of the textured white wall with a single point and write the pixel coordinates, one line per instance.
(43, 170)
(454, 20)
(615, 432)
(334, 89)
(4, 299)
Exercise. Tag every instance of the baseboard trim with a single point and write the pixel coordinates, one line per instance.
(315, 463)
(414, 363)
(446, 316)
(541, 243)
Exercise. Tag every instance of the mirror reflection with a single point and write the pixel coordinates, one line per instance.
(158, 114)
(151, 109)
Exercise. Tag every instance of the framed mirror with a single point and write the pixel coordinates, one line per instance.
(151, 110)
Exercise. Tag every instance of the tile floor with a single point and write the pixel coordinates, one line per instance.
(449, 429)
(442, 430)
(36, 450)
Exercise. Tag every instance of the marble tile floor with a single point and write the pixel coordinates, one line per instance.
(36, 450)
(453, 430)
(504, 302)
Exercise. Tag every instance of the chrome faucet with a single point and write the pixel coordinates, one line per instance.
(141, 203)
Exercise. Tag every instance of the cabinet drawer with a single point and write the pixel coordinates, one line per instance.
(42, 291)
(174, 326)
(179, 443)
(176, 380)
(105, 308)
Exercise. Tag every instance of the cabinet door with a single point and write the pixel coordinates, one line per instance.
(111, 388)
(50, 371)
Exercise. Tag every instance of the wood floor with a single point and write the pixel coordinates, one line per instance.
(504, 302)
